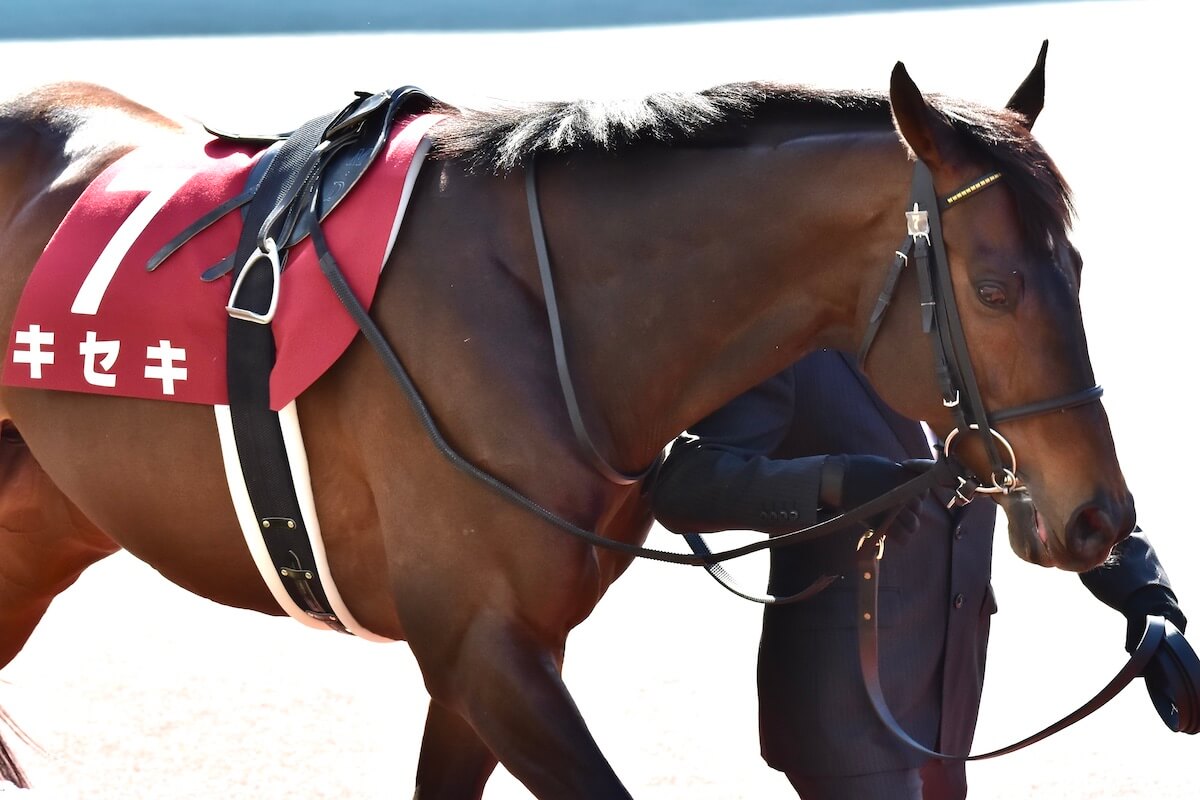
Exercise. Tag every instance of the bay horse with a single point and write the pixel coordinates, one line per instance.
(702, 242)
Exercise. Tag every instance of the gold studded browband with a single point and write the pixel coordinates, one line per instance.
(970, 189)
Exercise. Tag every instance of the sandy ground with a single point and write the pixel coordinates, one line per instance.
(135, 689)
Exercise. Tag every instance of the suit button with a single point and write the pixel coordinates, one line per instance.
(958, 531)
(762, 515)
(793, 515)
(959, 600)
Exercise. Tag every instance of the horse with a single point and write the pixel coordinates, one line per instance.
(701, 243)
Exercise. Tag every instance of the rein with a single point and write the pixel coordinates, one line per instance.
(868, 658)
(560, 351)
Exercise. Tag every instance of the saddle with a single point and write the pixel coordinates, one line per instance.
(299, 180)
(303, 175)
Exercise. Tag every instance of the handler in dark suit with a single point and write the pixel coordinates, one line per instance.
(760, 463)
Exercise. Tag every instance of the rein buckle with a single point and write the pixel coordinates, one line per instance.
(879, 543)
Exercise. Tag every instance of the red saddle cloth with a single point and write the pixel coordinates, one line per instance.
(92, 319)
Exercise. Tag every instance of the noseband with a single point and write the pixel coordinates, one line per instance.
(926, 249)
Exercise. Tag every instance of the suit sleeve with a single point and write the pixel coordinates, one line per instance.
(1134, 581)
(722, 477)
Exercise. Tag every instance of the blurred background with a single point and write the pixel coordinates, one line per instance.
(136, 689)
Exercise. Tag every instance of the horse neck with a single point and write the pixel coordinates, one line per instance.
(693, 275)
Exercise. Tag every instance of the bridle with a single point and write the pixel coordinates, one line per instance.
(925, 248)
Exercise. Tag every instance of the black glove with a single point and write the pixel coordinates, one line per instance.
(849, 481)
(1153, 599)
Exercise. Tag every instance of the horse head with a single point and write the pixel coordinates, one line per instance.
(1015, 281)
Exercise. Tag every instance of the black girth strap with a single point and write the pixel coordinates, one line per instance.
(250, 358)
(284, 207)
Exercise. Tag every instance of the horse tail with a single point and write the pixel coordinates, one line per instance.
(10, 770)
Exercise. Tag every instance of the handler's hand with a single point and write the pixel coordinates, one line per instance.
(1153, 599)
(849, 481)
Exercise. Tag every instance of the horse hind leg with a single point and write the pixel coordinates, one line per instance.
(45, 544)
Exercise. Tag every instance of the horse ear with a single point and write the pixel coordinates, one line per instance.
(926, 133)
(1030, 96)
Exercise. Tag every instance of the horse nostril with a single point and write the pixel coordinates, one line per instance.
(1091, 533)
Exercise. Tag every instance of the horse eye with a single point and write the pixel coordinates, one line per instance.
(992, 294)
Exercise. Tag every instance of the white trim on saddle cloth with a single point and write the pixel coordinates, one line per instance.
(293, 440)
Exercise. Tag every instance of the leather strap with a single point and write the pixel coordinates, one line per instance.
(960, 388)
(723, 577)
(1073, 400)
(560, 351)
(885, 299)
(868, 653)
(250, 357)
(1173, 682)
(278, 212)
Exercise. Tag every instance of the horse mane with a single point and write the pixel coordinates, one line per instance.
(501, 139)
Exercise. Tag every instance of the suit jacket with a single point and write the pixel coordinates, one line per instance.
(760, 454)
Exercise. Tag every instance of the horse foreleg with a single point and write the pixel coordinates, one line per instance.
(45, 543)
(506, 683)
(454, 763)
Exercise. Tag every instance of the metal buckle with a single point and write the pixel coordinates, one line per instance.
(879, 543)
(270, 252)
(964, 493)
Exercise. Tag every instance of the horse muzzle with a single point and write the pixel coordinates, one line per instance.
(1086, 540)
